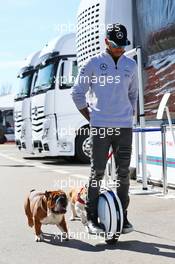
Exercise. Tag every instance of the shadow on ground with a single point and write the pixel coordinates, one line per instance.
(57, 161)
(17, 166)
(132, 245)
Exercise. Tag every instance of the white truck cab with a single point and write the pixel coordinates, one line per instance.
(22, 113)
(55, 119)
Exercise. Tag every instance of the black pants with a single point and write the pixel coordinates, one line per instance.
(101, 140)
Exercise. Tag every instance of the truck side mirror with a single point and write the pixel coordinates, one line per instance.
(67, 69)
(66, 74)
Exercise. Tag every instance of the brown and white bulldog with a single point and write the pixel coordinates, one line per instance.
(46, 208)
(77, 199)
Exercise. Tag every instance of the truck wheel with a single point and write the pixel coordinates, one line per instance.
(82, 148)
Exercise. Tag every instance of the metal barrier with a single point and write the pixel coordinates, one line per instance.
(164, 163)
(111, 167)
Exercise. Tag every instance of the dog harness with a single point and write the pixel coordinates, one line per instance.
(79, 197)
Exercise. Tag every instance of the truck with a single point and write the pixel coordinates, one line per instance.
(7, 118)
(150, 24)
(56, 122)
(22, 105)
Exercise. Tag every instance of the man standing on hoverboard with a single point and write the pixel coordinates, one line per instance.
(112, 82)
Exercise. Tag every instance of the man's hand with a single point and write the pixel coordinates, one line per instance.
(85, 113)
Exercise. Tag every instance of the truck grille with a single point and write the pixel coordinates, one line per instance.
(18, 121)
(37, 118)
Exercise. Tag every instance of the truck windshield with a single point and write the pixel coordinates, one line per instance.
(44, 79)
(24, 87)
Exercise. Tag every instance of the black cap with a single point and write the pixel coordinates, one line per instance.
(118, 34)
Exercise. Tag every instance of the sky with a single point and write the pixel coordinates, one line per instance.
(26, 26)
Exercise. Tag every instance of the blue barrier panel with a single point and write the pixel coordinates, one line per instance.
(138, 130)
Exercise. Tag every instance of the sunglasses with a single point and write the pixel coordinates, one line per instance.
(114, 45)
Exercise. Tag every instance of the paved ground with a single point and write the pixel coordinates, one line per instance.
(153, 240)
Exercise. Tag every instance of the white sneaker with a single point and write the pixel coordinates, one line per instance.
(94, 229)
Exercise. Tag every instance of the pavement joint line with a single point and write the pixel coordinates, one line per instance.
(31, 164)
(80, 176)
(11, 158)
(61, 171)
(42, 167)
